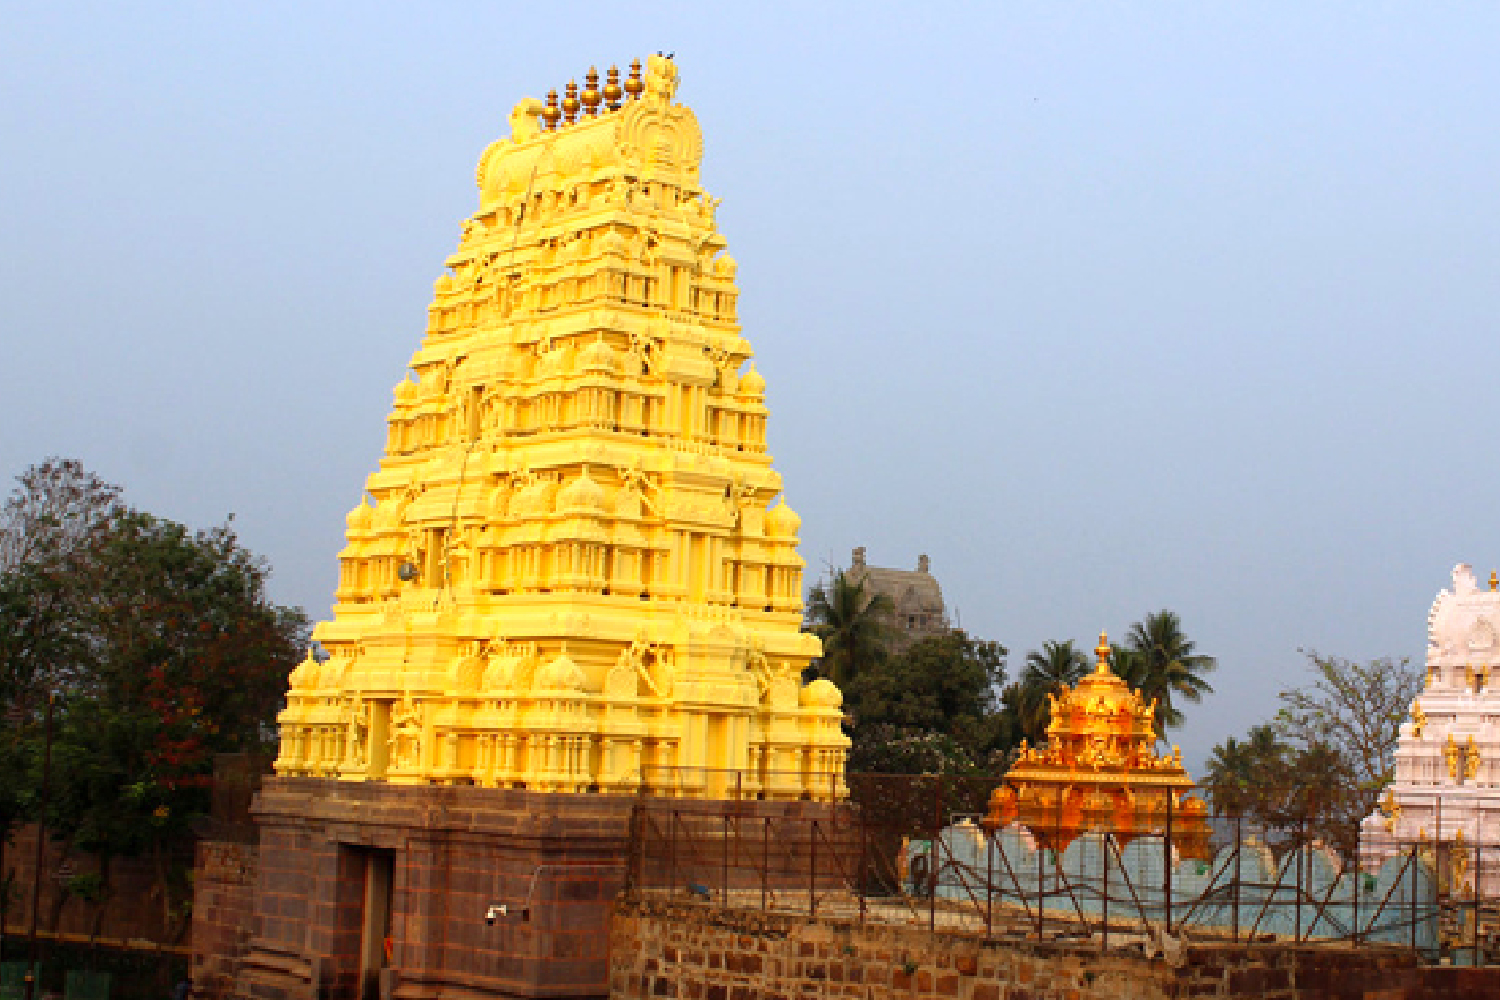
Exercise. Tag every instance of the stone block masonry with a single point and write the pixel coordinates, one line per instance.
(223, 902)
(365, 889)
(664, 951)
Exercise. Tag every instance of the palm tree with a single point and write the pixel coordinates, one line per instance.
(1248, 776)
(1228, 777)
(1245, 777)
(1057, 665)
(1168, 666)
(853, 625)
(1128, 665)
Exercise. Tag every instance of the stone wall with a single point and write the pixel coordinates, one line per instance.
(683, 952)
(132, 914)
(223, 897)
(555, 862)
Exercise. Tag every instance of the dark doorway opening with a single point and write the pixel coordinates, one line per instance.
(375, 942)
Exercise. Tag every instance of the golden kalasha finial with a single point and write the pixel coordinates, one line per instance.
(591, 95)
(635, 85)
(1494, 580)
(612, 89)
(551, 114)
(1102, 651)
(570, 104)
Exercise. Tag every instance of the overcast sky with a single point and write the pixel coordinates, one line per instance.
(1107, 308)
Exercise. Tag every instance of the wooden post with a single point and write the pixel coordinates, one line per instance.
(1166, 868)
(1239, 850)
(765, 859)
(1104, 894)
(812, 870)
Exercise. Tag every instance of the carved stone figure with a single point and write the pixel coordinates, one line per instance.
(524, 122)
(661, 77)
(357, 732)
(406, 734)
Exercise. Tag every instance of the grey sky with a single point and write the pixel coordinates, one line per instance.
(1108, 308)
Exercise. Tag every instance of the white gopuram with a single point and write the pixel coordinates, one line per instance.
(1446, 790)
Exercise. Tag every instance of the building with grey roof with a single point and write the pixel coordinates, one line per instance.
(915, 596)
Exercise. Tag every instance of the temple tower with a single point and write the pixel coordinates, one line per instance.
(566, 577)
(567, 574)
(1446, 790)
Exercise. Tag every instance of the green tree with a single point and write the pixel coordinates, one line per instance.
(162, 648)
(49, 527)
(1162, 664)
(1318, 769)
(1346, 726)
(191, 661)
(1057, 665)
(1354, 708)
(947, 684)
(853, 625)
(883, 748)
(932, 710)
(1247, 777)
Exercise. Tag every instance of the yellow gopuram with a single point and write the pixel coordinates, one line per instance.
(1099, 771)
(565, 576)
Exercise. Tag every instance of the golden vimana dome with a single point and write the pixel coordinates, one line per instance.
(568, 573)
(1099, 770)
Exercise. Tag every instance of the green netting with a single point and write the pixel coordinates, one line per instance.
(12, 980)
(80, 984)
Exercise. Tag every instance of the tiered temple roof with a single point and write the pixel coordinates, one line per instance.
(1446, 788)
(568, 574)
(1099, 770)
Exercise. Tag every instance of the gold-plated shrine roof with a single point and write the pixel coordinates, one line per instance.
(1099, 769)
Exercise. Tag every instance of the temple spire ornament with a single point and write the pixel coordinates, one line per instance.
(591, 95)
(612, 89)
(579, 573)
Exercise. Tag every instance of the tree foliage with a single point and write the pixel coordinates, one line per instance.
(162, 650)
(853, 625)
(1158, 660)
(1320, 766)
(942, 696)
(1057, 665)
(1162, 663)
(51, 528)
(1357, 710)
